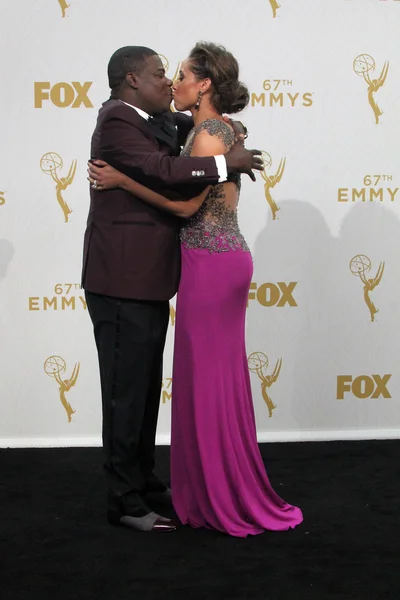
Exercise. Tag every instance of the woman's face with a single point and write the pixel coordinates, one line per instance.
(186, 88)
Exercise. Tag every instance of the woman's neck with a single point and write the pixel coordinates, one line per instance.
(204, 113)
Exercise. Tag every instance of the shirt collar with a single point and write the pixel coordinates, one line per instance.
(140, 112)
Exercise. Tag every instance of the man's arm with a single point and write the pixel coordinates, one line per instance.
(184, 124)
(127, 148)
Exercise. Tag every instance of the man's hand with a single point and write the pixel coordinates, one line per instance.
(244, 161)
(239, 129)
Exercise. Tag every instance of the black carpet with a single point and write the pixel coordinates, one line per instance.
(55, 542)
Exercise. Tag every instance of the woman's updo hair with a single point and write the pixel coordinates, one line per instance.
(228, 94)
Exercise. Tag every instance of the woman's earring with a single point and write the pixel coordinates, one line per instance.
(199, 97)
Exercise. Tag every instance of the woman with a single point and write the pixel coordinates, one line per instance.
(217, 475)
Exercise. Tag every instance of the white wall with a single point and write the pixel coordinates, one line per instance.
(330, 141)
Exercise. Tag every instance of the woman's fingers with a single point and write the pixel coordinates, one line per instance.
(94, 171)
(100, 163)
(95, 177)
(95, 184)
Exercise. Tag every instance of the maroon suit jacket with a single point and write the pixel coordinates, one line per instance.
(131, 250)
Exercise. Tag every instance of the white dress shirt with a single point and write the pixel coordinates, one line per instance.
(220, 160)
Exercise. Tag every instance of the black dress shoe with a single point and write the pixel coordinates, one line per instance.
(150, 522)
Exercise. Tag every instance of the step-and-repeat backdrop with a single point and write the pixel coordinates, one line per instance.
(322, 219)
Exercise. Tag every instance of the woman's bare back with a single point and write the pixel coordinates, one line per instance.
(215, 226)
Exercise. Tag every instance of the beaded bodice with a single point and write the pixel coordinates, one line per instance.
(215, 225)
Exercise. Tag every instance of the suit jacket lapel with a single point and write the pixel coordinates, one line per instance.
(146, 126)
(162, 135)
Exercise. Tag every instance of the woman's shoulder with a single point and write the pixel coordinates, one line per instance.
(217, 127)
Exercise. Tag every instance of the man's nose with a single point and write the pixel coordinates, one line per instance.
(169, 82)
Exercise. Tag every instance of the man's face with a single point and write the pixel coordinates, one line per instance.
(153, 87)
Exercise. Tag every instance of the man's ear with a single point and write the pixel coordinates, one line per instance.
(132, 80)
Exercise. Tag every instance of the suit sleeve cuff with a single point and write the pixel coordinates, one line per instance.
(220, 162)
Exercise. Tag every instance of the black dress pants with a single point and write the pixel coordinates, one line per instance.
(130, 338)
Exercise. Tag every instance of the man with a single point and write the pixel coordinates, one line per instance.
(131, 270)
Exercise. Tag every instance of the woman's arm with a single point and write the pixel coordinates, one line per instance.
(180, 209)
(106, 177)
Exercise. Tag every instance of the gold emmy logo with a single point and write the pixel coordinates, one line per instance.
(2, 199)
(65, 298)
(63, 94)
(373, 190)
(49, 163)
(165, 63)
(359, 266)
(54, 366)
(172, 315)
(63, 5)
(258, 363)
(275, 6)
(363, 65)
(363, 386)
(166, 385)
(271, 181)
(276, 94)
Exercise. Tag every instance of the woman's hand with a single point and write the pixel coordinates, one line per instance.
(104, 177)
